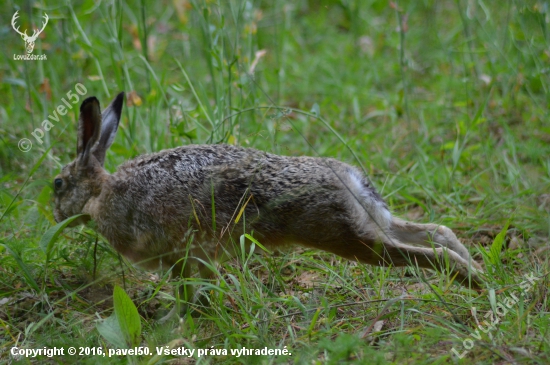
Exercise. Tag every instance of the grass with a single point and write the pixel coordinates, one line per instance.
(444, 104)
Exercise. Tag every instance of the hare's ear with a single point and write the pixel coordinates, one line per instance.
(89, 125)
(109, 125)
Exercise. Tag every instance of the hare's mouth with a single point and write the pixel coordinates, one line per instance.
(60, 217)
(80, 220)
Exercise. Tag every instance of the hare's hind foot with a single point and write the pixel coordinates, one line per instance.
(432, 246)
(441, 259)
(429, 235)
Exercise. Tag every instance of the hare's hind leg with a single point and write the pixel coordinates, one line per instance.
(437, 241)
(393, 245)
(376, 237)
(429, 235)
(388, 250)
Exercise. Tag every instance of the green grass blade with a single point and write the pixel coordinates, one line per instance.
(24, 269)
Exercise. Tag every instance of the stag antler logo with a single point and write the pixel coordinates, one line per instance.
(29, 41)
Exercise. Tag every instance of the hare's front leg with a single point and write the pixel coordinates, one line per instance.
(184, 292)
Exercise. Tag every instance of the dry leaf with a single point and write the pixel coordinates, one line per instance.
(257, 58)
(136, 42)
(373, 329)
(308, 279)
(133, 99)
(182, 6)
(45, 88)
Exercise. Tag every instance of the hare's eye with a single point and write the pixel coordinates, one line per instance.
(58, 183)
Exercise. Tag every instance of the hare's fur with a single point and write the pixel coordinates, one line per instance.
(158, 209)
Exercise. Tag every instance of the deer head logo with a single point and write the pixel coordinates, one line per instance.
(29, 41)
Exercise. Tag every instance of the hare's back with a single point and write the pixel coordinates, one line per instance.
(277, 195)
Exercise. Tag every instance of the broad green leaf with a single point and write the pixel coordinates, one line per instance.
(128, 317)
(110, 330)
(48, 238)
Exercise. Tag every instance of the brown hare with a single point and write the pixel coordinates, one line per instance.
(178, 206)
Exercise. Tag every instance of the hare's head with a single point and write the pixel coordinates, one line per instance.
(83, 178)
